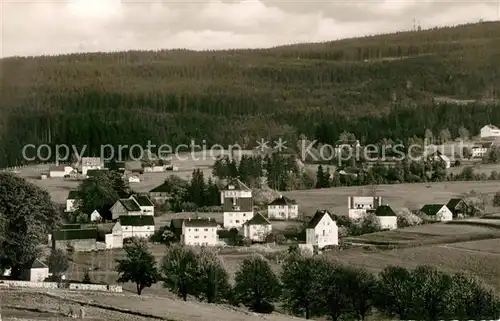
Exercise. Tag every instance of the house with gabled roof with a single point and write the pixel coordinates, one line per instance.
(125, 206)
(283, 208)
(161, 193)
(322, 230)
(387, 217)
(147, 207)
(437, 212)
(90, 163)
(71, 201)
(79, 239)
(359, 205)
(237, 204)
(257, 228)
(199, 232)
(37, 272)
(136, 225)
(458, 207)
(489, 131)
(479, 150)
(95, 216)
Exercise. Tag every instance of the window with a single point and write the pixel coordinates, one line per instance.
(197, 237)
(205, 237)
(237, 221)
(206, 230)
(244, 214)
(189, 230)
(196, 230)
(323, 232)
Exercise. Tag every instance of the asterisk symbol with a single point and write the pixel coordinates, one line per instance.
(262, 144)
(280, 144)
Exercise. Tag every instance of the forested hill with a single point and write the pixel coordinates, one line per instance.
(376, 87)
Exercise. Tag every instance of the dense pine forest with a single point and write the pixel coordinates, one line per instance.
(375, 87)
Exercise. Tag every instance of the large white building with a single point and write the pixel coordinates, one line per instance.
(257, 228)
(283, 208)
(322, 230)
(387, 217)
(237, 203)
(480, 150)
(438, 212)
(136, 226)
(359, 205)
(490, 131)
(199, 232)
(89, 163)
(125, 206)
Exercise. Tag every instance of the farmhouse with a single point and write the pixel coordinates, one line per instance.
(322, 230)
(480, 150)
(60, 170)
(257, 228)
(136, 226)
(237, 202)
(160, 193)
(458, 207)
(89, 163)
(283, 208)
(147, 207)
(358, 205)
(490, 131)
(125, 206)
(199, 231)
(71, 201)
(437, 212)
(114, 240)
(387, 217)
(80, 239)
(95, 216)
(38, 272)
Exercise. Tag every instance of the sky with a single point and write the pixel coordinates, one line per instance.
(39, 27)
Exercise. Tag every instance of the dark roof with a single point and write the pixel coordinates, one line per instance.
(143, 200)
(283, 200)
(200, 222)
(452, 203)
(57, 168)
(431, 209)
(257, 219)
(176, 223)
(237, 184)
(37, 264)
(317, 218)
(81, 234)
(483, 145)
(245, 204)
(137, 220)
(384, 210)
(73, 195)
(96, 172)
(130, 205)
(163, 188)
(71, 227)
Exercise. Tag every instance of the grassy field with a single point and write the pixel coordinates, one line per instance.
(126, 306)
(412, 196)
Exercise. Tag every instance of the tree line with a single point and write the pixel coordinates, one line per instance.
(318, 90)
(312, 286)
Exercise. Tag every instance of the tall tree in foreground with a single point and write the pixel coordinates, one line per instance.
(27, 215)
(394, 294)
(214, 281)
(181, 272)
(256, 285)
(138, 266)
(58, 263)
(360, 290)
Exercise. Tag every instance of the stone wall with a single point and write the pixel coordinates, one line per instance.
(55, 285)
(28, 284)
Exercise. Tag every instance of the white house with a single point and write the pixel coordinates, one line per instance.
(283, 208)
(137, 225)
(37, 273)
(134, 179)
(199, 232)
(114, 240)
(322, 230)
(89, 163)
(95, 216)
(257, 228)
(60, 170)
(387, 217)
(359, 205)
(125, 206)
(439, 212)
(489, 131)
(71, 201)
(480, 150)
(237, 203)
(147, 207)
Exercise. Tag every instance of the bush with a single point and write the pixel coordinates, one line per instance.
(280, 239)
(407, 218)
